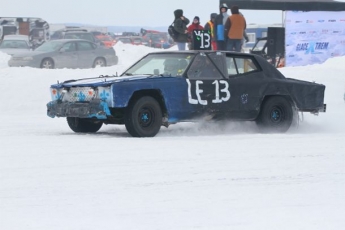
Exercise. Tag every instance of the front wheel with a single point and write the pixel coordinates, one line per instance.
(84, 125)
(276, 115)
(143, 117)
(99, 62)
(47, 63)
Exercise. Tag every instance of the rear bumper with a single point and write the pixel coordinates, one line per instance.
(113, 60)
(93, 109)
(319, 110)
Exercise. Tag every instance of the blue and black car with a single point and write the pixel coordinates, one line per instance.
(164, 88)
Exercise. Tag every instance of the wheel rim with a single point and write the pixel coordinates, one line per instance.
(47, 64)
(99, 62)
(146, 117)
(277, 114)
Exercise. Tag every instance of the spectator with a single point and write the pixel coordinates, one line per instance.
(219, 27)
(194, 26)
(210, 27)
(234, 28)
(180, 25)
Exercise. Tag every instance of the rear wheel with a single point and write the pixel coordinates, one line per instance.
(99, 62)
(276, 115)
(47, 63)
(84, 125)
(143, 117)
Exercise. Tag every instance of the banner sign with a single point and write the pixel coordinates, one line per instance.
(313, 37)
(201, 40)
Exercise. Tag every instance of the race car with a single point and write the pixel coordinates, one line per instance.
(164, 88)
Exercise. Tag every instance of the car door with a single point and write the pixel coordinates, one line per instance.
(208, 86)
(67, 56)
(247, 83)
(87, 54)
(227, 84)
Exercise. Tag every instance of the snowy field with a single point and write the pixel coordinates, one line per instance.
(207, 176)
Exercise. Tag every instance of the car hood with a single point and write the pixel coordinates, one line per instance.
(104, 80)
(14, 51)
(29, 53)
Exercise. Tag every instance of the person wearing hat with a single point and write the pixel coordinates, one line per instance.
(180, 25)
(235, 27)
(220, 20)
(194, 26)
(210, 27)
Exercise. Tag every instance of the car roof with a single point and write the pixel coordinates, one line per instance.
(16, 37)
(201, 51)
(68, 40)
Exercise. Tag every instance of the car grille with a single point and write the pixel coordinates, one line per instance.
(79, 94)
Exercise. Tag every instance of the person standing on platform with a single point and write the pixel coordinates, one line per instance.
(235, 27)
(194, 26)
(220, 20)
(210, 27)
(180, 25)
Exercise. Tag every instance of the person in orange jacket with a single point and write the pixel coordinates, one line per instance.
(235, 26)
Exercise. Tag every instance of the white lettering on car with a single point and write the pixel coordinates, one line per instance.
(199, 91)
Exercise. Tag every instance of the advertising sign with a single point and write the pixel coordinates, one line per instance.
(313, 37)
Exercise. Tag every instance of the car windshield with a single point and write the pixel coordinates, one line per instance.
(161, 64)
(14, 44)
(49, 46)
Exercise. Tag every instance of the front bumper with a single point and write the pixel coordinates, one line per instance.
(92, 109)
(22, 63)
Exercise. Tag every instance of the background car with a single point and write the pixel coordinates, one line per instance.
(15, 44)
(157, 40)
(76, 33)
(66, 53)
(106, 39)
(137, 40)
(125, 40)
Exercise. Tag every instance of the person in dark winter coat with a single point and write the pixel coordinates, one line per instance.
(210, 27)
(235, 27)
(194, 26)
(180, 25)
(219, 27)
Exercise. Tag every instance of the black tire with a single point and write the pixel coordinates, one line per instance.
(47, 63)
(84, 125)
(143, 117)
(276, 115)
(99, 62)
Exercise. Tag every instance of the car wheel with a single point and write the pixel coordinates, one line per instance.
(143, 117)
(84, 125)
(47, 63)
(276, 115)
(99, 62)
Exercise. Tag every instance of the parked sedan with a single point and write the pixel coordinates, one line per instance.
(14, 44)
(66, 53)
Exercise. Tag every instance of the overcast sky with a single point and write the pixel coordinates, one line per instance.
(126, 13)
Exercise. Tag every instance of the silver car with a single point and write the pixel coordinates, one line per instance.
(15, 44)
(66, 53)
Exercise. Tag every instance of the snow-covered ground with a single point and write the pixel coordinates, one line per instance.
(190, 176)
